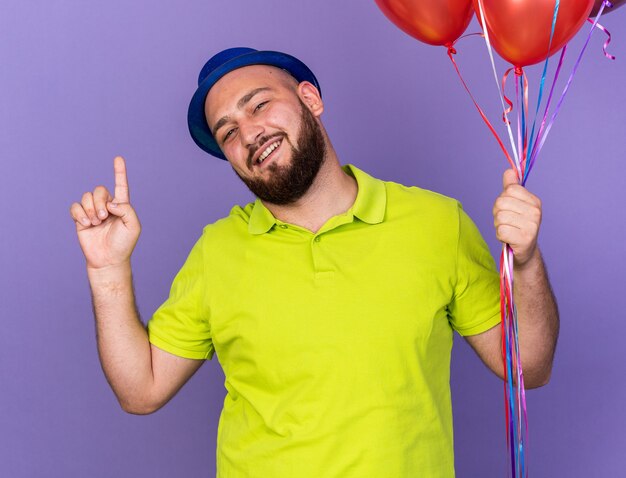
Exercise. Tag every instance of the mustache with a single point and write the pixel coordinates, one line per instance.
(255, 147)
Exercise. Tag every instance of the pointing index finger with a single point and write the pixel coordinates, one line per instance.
(122, 194)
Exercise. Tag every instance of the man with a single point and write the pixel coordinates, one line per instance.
(331, 300)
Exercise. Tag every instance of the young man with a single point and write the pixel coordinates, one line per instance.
(330, 301)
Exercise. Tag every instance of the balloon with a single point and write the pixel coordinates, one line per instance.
(598, 4)
(519, 30)
(436, 22)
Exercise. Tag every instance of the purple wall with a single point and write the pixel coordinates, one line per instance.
(84, 81)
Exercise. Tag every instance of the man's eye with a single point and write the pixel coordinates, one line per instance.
(260, 105)
(228, 134)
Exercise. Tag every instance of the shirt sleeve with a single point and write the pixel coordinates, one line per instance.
(475, 305)
(181, 324)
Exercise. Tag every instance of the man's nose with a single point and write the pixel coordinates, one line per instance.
(251, 131)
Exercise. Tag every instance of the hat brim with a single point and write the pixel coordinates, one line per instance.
(196, 119)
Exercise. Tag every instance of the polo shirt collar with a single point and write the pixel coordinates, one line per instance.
(371, 199)
(369, 205)
(261, 219)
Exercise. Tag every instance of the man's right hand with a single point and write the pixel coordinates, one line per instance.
(142, 376)
(107, 227)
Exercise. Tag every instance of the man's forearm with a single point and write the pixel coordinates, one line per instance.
(538, 320)
(123, 344)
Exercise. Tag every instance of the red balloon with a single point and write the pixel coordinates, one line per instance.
(519, 30)
(598, 4)
(437, 22)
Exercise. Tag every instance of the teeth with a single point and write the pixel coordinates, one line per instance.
(267, 151)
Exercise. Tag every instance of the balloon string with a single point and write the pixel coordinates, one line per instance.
(451, 52)
(520, 397)
(521, 94)
(526, 153)
(508, 357)
(515, 401)
(536, 145)
(520, 106)
(524, 86)
(516, 423)
(495, 76)
(567, 85)
(506, 99)
(608, 40)
(468, 35)
(543, 79)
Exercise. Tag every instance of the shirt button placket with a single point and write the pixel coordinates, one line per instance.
(323, 268)
(315, 254)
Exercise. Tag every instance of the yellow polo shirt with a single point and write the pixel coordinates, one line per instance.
(335, 345)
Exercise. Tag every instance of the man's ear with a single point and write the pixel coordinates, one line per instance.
(310, 96)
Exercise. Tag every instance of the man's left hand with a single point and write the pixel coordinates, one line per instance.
(516, 217)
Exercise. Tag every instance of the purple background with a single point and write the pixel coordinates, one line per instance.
(84, 81)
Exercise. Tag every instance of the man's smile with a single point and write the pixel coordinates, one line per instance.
(266, 151)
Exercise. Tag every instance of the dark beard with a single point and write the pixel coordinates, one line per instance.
(289, 183)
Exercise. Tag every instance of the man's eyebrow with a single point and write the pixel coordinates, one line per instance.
(245, 99)
(221, 122)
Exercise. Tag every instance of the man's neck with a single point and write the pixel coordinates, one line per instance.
(333, 192)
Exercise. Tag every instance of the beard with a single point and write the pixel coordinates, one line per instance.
(290, 182)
